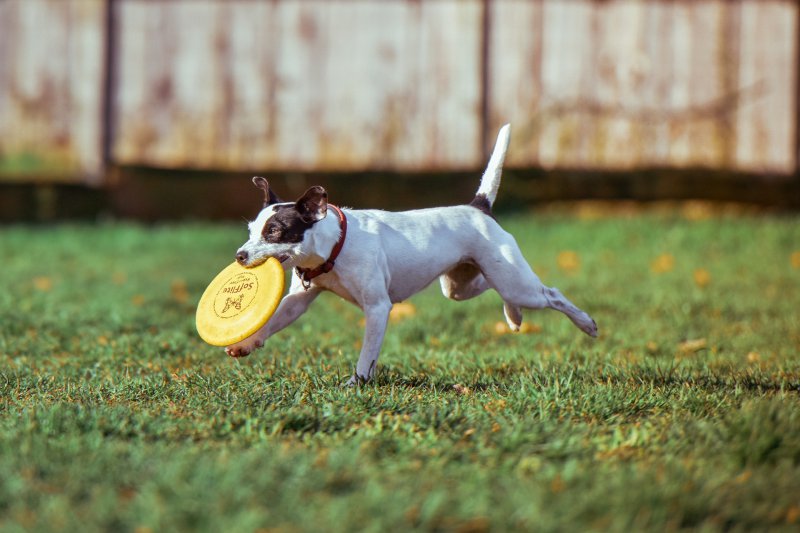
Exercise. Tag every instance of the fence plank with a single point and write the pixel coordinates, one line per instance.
(299, 85)
(768, 62)
(51, 61)
(623, 84)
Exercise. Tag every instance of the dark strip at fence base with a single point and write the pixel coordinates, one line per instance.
(154, 194)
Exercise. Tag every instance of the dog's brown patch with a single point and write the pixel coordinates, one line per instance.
(287, 225)
(482, 204)
(291, 220)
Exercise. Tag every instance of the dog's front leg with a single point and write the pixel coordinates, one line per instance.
(291, 307)
(377, 318)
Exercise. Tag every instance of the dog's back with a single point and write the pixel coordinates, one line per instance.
(413, 248)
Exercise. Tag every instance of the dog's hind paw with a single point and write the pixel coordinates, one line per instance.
(513, 316)
(591, 328)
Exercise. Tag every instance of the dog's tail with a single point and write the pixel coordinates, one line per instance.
(490, 182)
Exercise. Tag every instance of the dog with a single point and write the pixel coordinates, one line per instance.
(374, 259)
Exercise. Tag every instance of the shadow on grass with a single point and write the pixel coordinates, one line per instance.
(501, 379)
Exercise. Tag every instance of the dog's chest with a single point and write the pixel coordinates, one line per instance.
(332, 283)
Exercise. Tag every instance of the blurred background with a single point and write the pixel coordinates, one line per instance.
(158, 109)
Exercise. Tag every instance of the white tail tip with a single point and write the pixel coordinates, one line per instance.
(490, 182)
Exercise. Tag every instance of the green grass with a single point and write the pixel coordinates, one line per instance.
(115, 416)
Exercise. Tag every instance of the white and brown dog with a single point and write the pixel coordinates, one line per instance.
(376, 258)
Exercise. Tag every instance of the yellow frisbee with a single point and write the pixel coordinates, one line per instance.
(238, 302)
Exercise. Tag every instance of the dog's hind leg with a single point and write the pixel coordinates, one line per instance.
(559, 302)
(508, 273)
(463, 281)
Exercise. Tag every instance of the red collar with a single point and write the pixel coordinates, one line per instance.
(307, 274)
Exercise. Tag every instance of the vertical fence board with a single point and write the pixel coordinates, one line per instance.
(51, 72)
(768, 62)
(515, 75)
(299, 85)
(624, 84)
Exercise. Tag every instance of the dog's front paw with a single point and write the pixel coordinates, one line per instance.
(244, 348)
(355, 381)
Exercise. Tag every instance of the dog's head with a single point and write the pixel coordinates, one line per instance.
(281, 230)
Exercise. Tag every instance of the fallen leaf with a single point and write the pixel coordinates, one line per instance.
(412, 514)
(502, 328)
(126, 494)
(702, 277)
(474, 525)
(138, 300)
(697, 210)
(322, 459)
(557, 485)
(461, 389)
(494, 405)
(401, 311)
(568, 261)
(663, 263)
(43, 283)
(796, 259)
(692, 346)
(792, 514)
(742, 478)
(179, 291)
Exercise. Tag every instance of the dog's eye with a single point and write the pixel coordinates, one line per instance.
(273, 231)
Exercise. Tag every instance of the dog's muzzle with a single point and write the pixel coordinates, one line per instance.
(243, 258)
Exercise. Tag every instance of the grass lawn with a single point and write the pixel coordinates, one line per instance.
(685, 413)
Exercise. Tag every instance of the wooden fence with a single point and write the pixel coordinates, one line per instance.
(51, 89)
(355, 85)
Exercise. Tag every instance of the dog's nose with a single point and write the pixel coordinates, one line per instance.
(241, 257)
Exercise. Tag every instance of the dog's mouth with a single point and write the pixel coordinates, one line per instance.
(258, 262)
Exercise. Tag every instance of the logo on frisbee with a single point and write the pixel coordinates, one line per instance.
(236, 295)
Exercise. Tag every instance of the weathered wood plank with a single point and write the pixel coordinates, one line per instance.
(51, 72)
(625, 84)
(765, 120)
(312, 85)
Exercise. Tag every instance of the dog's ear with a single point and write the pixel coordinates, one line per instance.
(313, 205)
(269, 196)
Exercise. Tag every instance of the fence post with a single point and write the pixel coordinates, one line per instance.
(797, 93)
(109, 83)
(484, 119)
